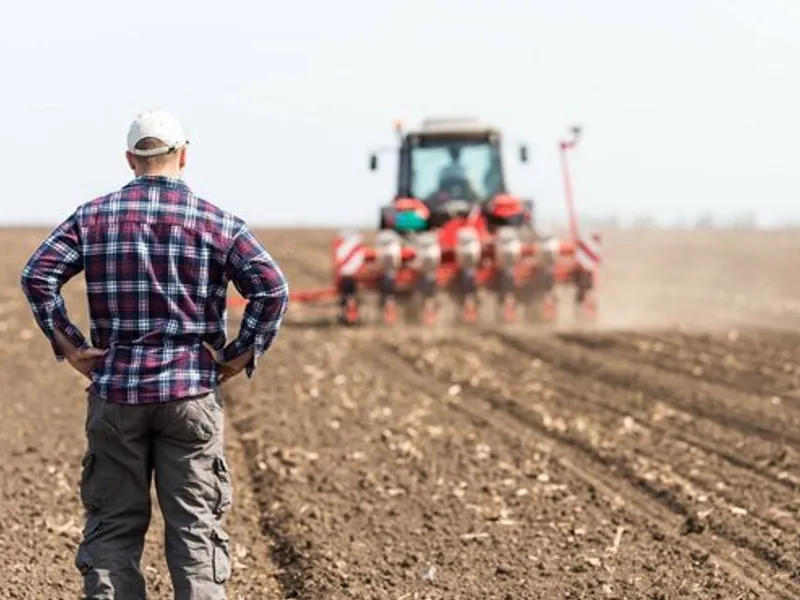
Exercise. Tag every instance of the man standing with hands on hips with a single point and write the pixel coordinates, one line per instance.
(157, 261)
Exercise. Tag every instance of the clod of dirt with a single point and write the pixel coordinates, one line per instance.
(695, 522)
(430, 574)
(479, 535)
(593, 561)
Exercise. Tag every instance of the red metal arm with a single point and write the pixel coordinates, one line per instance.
(572, 214)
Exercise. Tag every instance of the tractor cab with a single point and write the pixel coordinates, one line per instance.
(449, 167)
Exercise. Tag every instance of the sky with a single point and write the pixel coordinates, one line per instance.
(687, 106)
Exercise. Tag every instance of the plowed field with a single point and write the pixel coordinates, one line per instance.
(655, 457)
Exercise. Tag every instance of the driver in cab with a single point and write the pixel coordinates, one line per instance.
(453, 179)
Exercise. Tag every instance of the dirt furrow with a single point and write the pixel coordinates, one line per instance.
(651, 498)
(747, 413)
(737, 494)
(677, 397)
(764, 459)
(734, 365)
(383, 494)
(760, 462)
(631, 409)
(746, 344)
(387, 491)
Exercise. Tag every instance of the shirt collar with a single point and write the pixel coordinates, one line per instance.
(161, 180)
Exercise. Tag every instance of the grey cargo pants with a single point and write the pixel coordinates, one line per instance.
(181, 444)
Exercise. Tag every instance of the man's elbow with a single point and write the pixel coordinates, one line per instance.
(279, 289)
(280, 300)
(36, 285)
(284, 301)
(272, 291)
(27, 280)
(285, 291)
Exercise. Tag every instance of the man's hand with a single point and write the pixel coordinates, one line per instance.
(233, 367)
(83, 360)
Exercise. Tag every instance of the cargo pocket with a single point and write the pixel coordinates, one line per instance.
(99, 480)
(224, 486)
(220, 556)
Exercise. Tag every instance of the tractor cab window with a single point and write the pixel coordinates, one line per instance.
(456, 168)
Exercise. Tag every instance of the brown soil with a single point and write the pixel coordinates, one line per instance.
(646, 459)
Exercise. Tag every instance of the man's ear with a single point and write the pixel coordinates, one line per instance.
(131, 160)
(182, 158)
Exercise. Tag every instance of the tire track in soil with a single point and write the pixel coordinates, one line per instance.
(744, 412)
(577, 354)
(736, 363)
(706, 479)
(649, 501)
(487, 412)
(580, 364)
(782, 556)
(753, 341)
(704, 434)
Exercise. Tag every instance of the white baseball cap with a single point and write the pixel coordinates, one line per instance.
(156, 124)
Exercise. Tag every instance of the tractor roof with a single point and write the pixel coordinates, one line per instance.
(453, 126)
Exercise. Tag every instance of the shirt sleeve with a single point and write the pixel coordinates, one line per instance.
(57, 260)
(259, 279)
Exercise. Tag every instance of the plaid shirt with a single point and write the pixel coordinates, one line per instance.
(157, 261)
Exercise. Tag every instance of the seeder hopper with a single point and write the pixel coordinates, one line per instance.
(454, 237)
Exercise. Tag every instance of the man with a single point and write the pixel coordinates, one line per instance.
(454, 170)
(157, 260)
(453, 177)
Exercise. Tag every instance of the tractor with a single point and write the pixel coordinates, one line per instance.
(453, 235)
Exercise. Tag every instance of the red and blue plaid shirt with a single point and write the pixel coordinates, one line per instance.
(157, 261)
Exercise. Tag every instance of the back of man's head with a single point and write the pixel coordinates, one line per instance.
(156, 144)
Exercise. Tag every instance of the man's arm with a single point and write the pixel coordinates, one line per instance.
(259, 279)
(57, 260)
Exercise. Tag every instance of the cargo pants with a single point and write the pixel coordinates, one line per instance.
(180, 445)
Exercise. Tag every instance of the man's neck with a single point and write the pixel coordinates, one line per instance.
(171, 173)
